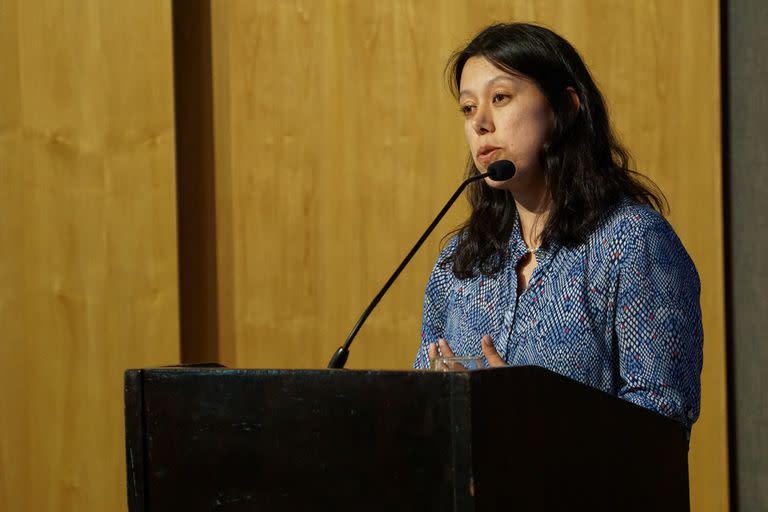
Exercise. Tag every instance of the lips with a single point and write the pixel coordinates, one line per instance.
(487, 154)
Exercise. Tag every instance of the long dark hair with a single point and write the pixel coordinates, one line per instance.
(586, 169)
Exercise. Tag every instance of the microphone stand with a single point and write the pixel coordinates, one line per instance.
(339, 358)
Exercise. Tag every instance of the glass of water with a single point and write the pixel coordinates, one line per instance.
(455, 364)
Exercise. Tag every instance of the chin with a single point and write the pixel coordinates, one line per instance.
(501, 185)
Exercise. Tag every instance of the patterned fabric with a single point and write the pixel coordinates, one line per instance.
(620, 313)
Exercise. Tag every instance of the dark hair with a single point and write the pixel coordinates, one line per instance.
(585, 167)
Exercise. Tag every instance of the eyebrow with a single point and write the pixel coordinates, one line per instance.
(492, 81)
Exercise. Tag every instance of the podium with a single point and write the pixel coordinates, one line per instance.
(524, 438)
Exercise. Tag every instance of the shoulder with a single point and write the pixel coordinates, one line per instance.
(630, 224)
(631, 218)
(442, 272)
(450, 246)
(638, 235)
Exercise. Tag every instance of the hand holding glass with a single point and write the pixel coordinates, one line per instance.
(455, 364)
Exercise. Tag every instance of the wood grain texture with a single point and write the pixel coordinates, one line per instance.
(87, 241)
(337, 142)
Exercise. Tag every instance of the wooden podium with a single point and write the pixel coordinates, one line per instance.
(217, 439)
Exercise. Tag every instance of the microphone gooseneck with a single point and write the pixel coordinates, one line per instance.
(498, 171)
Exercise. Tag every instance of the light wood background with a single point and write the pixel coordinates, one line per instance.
(337, 142)
(87, 240)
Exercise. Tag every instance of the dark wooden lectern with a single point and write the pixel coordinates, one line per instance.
(217, 439)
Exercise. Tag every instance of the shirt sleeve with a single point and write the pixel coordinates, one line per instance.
(658, 323)
(435, 306)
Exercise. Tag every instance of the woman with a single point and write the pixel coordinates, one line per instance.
(569, 264)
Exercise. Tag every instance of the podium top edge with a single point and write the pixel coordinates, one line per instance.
(223, 370)
(281, 371)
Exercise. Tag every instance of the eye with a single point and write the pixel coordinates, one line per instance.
(467, 109)
(499, 97)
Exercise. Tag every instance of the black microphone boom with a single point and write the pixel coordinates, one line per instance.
(498, 171)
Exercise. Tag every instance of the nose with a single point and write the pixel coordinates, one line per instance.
(483, 120)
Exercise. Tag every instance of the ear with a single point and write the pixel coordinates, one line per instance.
(574, 96)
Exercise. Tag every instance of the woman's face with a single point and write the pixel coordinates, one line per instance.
(506, 117)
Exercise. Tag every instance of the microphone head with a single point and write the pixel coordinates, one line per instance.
(501, 170)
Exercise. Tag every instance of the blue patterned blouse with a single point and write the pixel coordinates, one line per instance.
(620, 313)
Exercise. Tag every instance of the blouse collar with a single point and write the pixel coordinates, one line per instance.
(517, 248)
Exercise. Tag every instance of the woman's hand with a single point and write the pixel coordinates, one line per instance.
(489, 351)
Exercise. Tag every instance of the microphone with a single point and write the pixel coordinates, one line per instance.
(500, 170)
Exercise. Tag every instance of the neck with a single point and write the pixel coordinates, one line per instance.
(533, 213)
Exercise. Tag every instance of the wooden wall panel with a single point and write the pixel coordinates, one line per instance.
(87, 241)
(337, 141)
